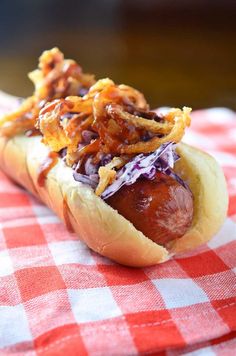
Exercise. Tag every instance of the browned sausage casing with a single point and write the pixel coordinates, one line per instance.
(161, 208)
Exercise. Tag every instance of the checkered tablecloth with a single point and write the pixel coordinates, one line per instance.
(59, 298)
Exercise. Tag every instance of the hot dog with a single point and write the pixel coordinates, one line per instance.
(113, 170)
(161, 208)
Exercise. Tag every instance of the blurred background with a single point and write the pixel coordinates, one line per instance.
(178, 52)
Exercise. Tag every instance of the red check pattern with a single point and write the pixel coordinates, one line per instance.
(57, 297)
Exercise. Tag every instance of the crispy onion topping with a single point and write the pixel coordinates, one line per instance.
(55, 77)
(96, 126)
(119, 122)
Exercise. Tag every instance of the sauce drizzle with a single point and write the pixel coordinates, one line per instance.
(66, 211)
(33, 132)
(45, 167)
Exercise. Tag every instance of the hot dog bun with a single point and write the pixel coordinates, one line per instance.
(100, 226)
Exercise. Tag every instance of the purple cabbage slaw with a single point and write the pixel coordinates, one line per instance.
(163, 159)
(89, 180)
(145, 165)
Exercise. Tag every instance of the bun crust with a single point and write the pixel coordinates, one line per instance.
(101, 227)
(207, 183)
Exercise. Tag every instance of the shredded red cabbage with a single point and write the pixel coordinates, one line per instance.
(145, 165)
(90, 167)
(88, 136)
(163, 159)
(91, 180)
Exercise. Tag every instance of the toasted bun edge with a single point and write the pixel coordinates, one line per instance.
(102, 228)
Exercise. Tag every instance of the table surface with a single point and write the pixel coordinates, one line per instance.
(175, 56)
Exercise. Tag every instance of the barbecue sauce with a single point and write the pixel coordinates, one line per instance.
(45, 167)
(66, 211)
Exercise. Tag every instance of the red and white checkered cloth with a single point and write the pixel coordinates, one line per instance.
(57, 297)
